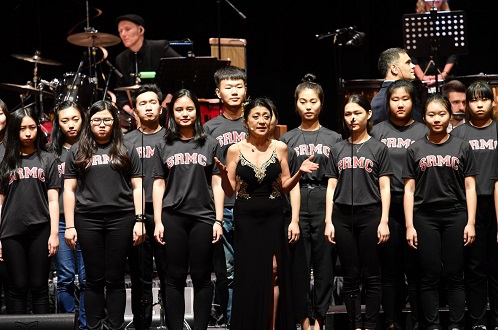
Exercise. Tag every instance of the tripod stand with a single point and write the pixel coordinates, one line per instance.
(435, 35)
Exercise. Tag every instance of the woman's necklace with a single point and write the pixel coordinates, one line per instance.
(253, 147)
(443, 140)
(316, 137)
(359, 145)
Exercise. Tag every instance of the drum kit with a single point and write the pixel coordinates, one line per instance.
(76, 86)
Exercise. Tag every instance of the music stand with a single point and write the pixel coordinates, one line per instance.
(194, 73)
(434, 34)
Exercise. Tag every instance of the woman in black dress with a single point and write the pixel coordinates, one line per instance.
(258, 172)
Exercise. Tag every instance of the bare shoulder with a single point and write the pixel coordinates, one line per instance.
(233, 151)
(280, 146)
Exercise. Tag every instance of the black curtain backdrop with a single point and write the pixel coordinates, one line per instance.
(281, 40)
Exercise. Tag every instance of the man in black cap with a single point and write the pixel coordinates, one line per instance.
(141, 55)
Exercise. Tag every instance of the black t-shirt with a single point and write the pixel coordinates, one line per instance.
(483, 142)
(188, 170)
(102, 190)
(439, 170)
(145, 144)
(398, 139)
(62, 169)
(494, 170)
(305, 143)
(226, 132)
(361, 172)
(26, 198)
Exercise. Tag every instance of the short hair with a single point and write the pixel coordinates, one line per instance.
(407, 85)
(147, 88)
(480, 89)
(453, 86)
(437, 98)
(388, 58)
(230, 72)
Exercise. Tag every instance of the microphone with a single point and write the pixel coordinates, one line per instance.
(336, 32)
(356, 39)
(116, 71)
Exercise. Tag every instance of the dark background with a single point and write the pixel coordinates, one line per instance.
(281, 42)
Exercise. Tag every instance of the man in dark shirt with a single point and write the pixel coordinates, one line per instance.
(393, 64)
(141, 55)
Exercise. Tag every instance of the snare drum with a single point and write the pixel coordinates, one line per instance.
(76, 88)
(210, 108)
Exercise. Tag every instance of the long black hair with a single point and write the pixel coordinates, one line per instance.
(57, 138)
(88, 146)
(5, 110)
(12, 157)
(173, 131)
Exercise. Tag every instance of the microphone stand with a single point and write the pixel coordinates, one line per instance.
(218, 2)
(434, 46)
(353, 295)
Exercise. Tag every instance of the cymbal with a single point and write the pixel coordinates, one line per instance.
(480, 76)
(93, 39)
(36, 59)
(26, 89)
(127, 88)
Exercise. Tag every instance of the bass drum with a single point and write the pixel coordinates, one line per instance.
(76, 88)
(210, 108)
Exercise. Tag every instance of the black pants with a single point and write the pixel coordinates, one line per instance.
(399, 268)
(481, 264)
(312, 251)
(356, 239)
(105, 241)
(440, 249)
(28, 266)
(189, 249)
(141, 262)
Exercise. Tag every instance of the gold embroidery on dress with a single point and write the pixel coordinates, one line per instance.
(276, 187)
(259, 172)
(242, 193)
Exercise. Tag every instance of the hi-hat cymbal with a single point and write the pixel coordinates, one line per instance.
(36, 59)
(93, 39)
(127, 88)
(26, 89)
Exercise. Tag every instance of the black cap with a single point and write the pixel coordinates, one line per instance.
(132, 18)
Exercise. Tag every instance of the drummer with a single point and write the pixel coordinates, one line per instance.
(140, 55)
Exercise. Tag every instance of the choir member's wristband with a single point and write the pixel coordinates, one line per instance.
(219, 222)
(139, 217)
(69, 228)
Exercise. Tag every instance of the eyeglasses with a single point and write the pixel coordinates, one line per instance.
(98, 121)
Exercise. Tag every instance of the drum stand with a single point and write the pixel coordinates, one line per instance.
(218, 2)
